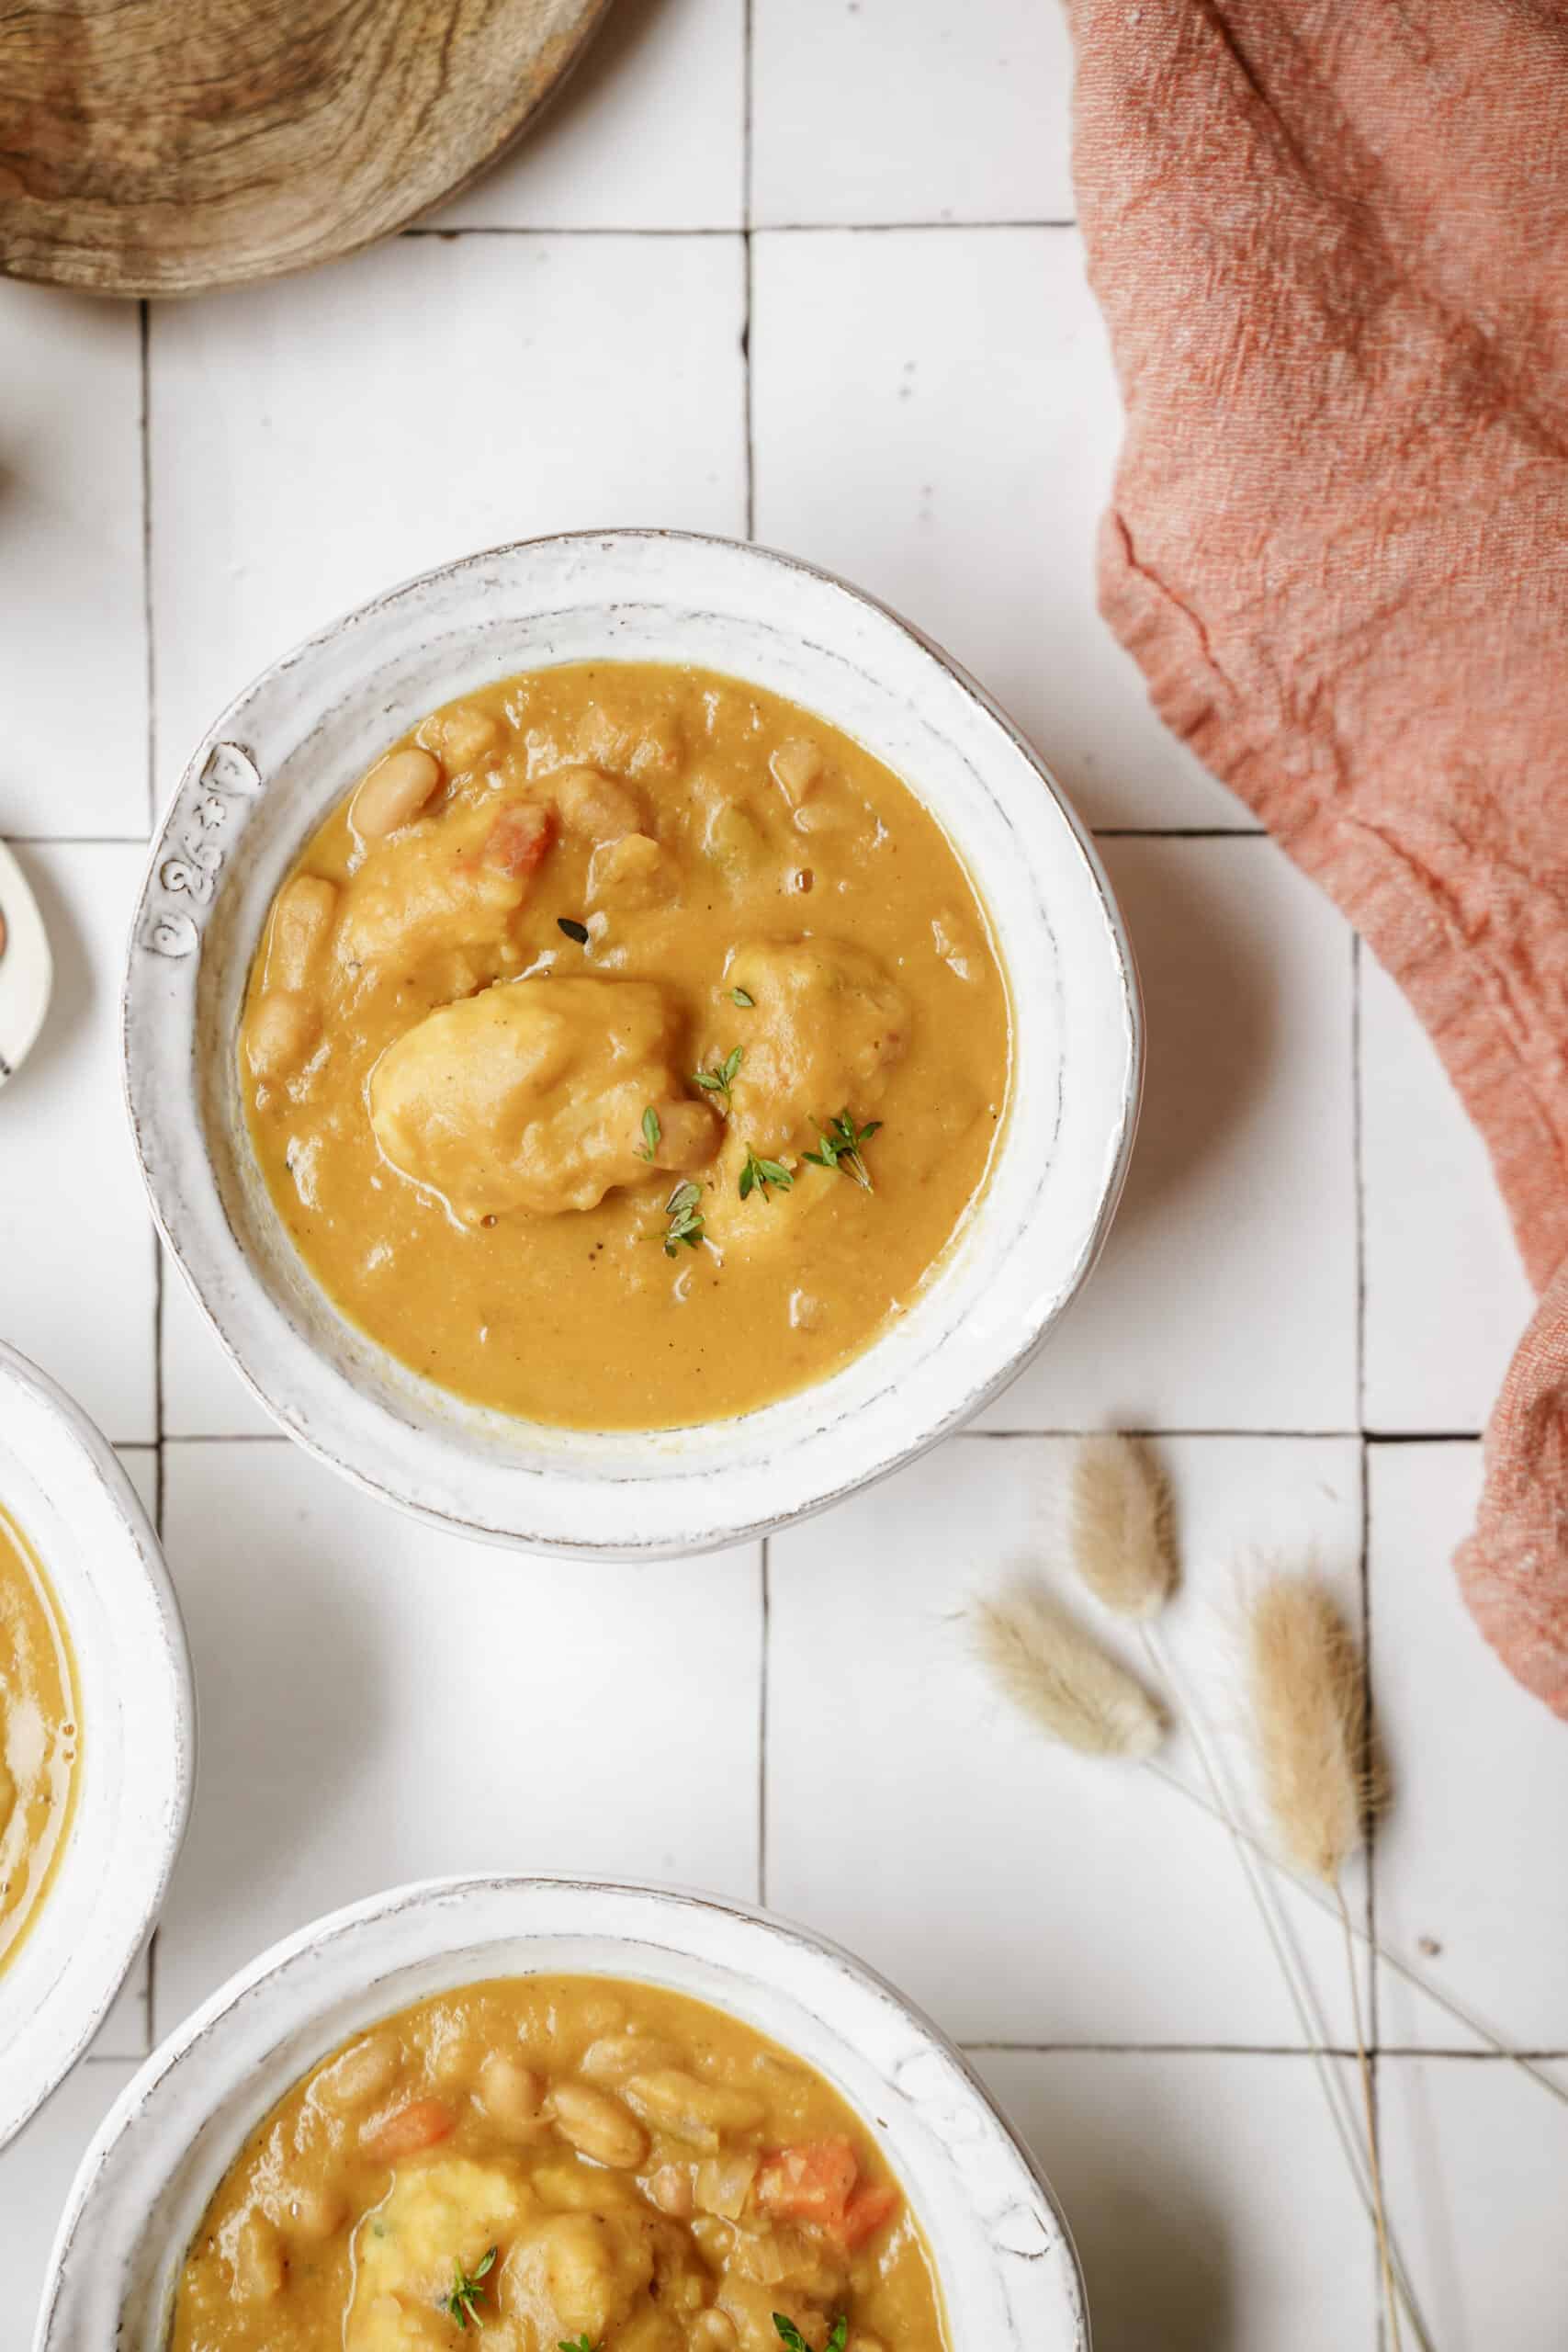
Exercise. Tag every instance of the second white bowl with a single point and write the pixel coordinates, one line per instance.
(61, 1484)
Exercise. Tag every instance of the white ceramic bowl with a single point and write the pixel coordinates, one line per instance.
(1001, 2245)
(61, 1483)
(280, 758)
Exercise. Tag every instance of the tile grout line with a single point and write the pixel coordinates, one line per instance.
(718, 229)
(150, 668)
(1369, 1731)
(1413, 2050)
(151, 677)
(966, 1437)
(747, 44)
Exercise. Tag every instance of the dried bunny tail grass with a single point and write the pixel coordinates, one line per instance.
(1305, 1678)
(1120, 1525)
(1062, 1679)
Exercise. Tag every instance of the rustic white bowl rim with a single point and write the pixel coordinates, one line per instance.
(1000, 2243)
(62, 1484)
(280, 758)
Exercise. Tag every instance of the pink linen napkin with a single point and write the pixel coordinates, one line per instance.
(1330, 238)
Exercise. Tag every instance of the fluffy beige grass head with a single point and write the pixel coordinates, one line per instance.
(1119, 1526)
(1063, 1681)
(1308, 1717)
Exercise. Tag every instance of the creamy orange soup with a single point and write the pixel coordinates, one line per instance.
(559, 2162)
(41, 1745)
(626, 1049)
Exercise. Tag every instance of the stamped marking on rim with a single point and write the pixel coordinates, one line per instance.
(229, 774)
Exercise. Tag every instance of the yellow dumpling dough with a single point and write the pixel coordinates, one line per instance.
(529, 1096)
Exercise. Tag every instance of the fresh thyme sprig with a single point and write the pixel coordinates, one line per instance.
(580, 2344)
(467, 2290)
(685, 1219)
(842, 1144)
(791, 2336)
(758, 1174)
(721, 1078)
(652, 1134)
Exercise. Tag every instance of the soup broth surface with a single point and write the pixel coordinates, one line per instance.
(558, 2162)
(40, 1743)
(626, 1049)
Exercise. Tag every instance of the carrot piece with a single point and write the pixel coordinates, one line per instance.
(407, 2129)
(810, 2182)
(864, 2214)
(520, 839)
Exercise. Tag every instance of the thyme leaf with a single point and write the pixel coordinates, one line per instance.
(685, 1218)
(758, 1174)
(467, 2289)
(721, 1078)
(651, 1133)
(841, 1147)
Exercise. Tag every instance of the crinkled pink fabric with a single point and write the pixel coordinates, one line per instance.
(1330, 238)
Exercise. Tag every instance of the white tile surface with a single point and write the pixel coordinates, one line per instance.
(1476, 2158)
(935, 417)
(1015, 1885)
(71, 567)
(35, 2172)
(1226, 1297)
(1208, 2199)
(1468, 1855)
(380, 1703)
(649, 133)
(933, 413)
(317, 439)
(75, 1241)
(909, 111)
(203, 1395)
(1447, 1297)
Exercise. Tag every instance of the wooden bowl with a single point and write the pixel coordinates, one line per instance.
(162, 146)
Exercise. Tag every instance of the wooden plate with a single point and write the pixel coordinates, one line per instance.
(161, 146)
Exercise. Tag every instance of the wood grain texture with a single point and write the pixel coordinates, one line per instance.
(162, 146)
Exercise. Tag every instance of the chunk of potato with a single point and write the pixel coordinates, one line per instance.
(598, 807)
(627, 876)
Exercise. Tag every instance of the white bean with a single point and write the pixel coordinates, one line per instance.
(597, 2125)
(394, 792)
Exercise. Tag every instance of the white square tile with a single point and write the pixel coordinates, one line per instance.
(380, 1702)
(1476, 2159)
(1207, 2196)
(76, 1240)
(909, 111)
(1468, 1855)
(203, 1395)
(71, 763)
(317, 440)
(934, 415)
(1226, 1297)
(649, 133)
(1012, 1887)
(35, 2172)
(1447, 1297)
